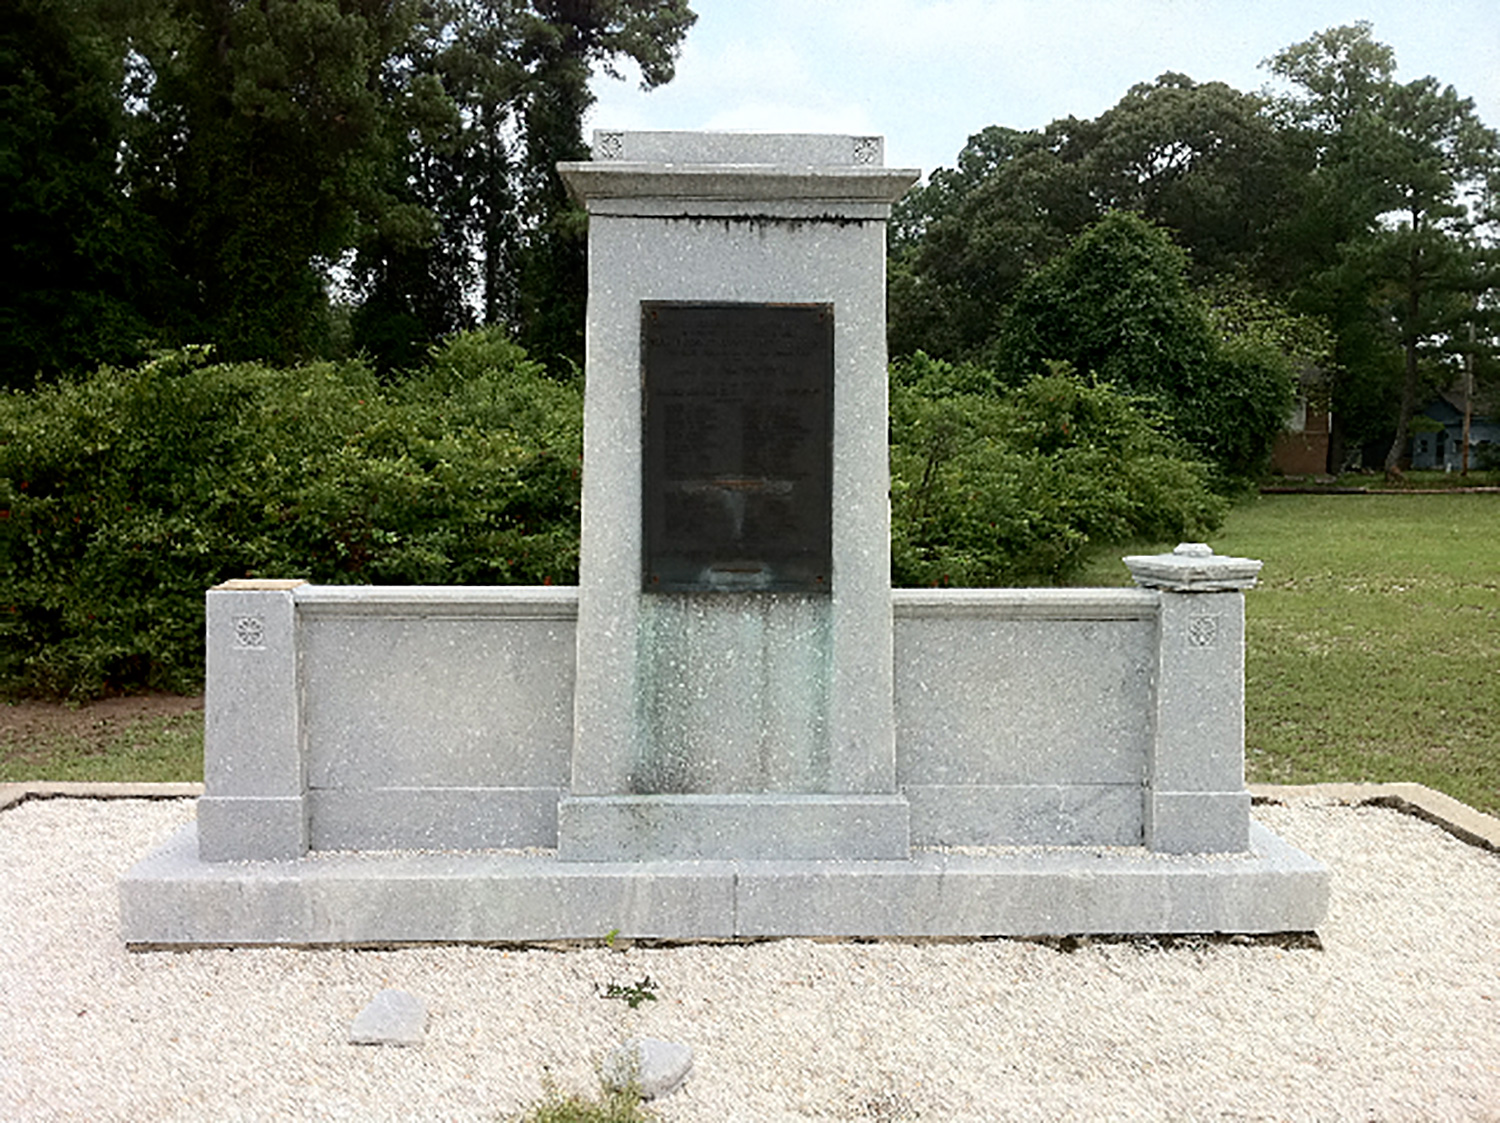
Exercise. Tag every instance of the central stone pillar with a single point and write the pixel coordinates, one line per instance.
(734, 674)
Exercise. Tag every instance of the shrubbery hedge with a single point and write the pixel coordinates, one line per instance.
(125, 494)
(1010, 486)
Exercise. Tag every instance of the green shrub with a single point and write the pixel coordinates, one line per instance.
(995, 486)
(125, 494)
(1118, 306)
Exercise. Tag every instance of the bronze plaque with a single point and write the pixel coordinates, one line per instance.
(738, 405)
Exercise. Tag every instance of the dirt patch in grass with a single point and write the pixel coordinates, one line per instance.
(35, 736)
(28, 723)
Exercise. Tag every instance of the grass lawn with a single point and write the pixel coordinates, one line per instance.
(1373, 638)
(1373, 654)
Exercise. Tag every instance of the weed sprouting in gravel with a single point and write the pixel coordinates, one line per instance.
(622, 1105)
(632, 994)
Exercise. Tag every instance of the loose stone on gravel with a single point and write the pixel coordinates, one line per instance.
(393, 1017)
(657, 1067)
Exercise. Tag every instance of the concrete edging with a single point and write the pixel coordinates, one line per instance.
(1458, 819)
(19, 792)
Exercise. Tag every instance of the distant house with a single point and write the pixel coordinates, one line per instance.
(1442, 448)
(1302, 447)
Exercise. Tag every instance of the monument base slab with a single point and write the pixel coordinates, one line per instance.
(733, 826)
(173, 898)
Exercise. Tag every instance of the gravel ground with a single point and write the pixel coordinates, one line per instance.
(1396, 1017)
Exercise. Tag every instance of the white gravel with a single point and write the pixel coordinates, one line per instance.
(1396, 1018)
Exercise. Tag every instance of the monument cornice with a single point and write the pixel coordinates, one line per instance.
(743, 183)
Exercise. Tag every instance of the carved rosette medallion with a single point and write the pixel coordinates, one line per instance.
(867, 150)
(610, 146)
(1203, 631)
(250, 633)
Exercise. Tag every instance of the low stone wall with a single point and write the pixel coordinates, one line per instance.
(436, 717)
(1024, 716)
(379, 718)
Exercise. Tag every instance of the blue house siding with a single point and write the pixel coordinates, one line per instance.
(1443, 449)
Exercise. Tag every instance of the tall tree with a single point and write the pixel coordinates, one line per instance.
(181, 171)
(971, 235)
(77, 253)
(1387, 239)
(1118, 306)
(261, 149)
(1435, 151)
(1202, 159)
(517, 73)
(946, 188)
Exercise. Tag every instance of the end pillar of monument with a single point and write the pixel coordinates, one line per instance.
(1195, 799)
(254, 804)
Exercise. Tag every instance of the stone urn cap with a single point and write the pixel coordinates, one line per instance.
(1193, 567)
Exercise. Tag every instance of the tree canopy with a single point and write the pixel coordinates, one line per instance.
(1399, 241)
(219, 171)
(1117, 306)
(288, 179)
(77, 261)
(1355, 211)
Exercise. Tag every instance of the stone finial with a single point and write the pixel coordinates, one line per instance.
(1193, 567)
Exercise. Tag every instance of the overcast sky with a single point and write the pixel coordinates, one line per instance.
(927, 74)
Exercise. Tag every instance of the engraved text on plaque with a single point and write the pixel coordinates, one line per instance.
(738, 446)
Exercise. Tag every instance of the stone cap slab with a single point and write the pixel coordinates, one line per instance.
(1025, 604)
(427, 601)
(743, 167)
(260, 584)
(1193, 567)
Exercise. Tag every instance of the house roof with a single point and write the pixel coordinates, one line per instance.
(1486, 400)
